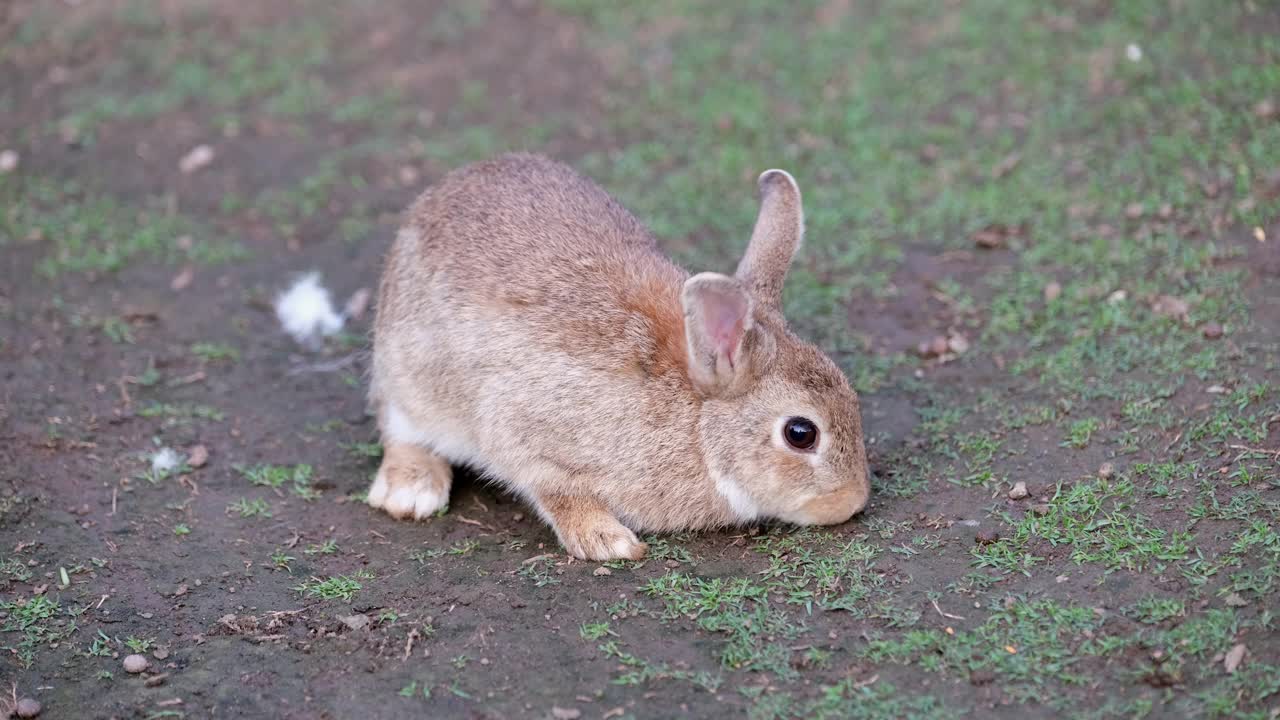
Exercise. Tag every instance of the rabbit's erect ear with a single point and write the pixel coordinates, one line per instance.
(717, 318)
(779, 230)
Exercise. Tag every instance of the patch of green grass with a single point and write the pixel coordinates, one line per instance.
(1154, 610)
(328, 547)
(297, 477)
(595, 631)
(849, 698)
(117, 330)
(272, 69)
(538, 570)
(363, 450)
(1098, 521)
(1079, 432)
(215, 352)
(34, 622)
(412, 690)
(85, 232)
(1023, 643)
(282, 559)
(139, 645)
(338, 587)
(181, 412)
(458, 549)
(13, 569)
(247, 508)
(639, 671)
(102, 645)
(275, 476)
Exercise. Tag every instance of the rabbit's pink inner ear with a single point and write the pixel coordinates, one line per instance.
(717, 318)
(724, 322)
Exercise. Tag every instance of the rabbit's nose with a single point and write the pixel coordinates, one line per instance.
(835, 507)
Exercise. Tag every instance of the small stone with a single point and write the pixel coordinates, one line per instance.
(156, 680)
(1264, 110)
(992, 237)
(1133, 211)
(1117, 297)
(199, 157)
(602, 571)
(1259, 234)
(161, 654)
(1165, 212)
(1019, 491)
(408, 175)
(1061, 579)
(355, 622)
(357, 304)
(1052, 291)
(1234, 657)
(986, 537)
(28, 708)
(180, 590)
(517, 517)
(1040, 509)
(936, 347)
(1106, 470)
(1170, 306)
(1235, 600)
(1211, 331)
(560, 713)
(1006, 165)
(958, 344)
(198, 457)
(930, 153)
(8, 163)
(183, 279)
(1133, 52)
(134, 664)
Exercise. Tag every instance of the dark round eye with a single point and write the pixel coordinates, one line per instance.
(800, 433)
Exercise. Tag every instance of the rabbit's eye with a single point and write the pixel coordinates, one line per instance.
(800, 433)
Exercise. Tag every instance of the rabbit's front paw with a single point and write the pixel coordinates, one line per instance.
(589, 531)
(604, 543)
(411, 482)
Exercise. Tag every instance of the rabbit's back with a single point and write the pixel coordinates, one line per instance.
(543, 255)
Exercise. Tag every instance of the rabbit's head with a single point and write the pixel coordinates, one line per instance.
(780, 426)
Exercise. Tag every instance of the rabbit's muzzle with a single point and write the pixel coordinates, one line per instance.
(835, 507)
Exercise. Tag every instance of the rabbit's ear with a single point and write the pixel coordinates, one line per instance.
(779, 230)
(717, 318)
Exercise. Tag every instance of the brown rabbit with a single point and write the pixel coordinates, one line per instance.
(529, 327)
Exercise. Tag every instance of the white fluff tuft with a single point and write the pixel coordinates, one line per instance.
(165, 461)
(306, 311)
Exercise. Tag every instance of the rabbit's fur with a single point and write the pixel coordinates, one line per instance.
(529, 327)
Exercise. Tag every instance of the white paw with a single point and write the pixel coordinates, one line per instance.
(377, 496)
(608, 543)
(419, 500)
(627, 546)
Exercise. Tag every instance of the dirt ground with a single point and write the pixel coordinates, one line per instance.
(1134, 574)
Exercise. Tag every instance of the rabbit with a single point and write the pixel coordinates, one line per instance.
(529, 327)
